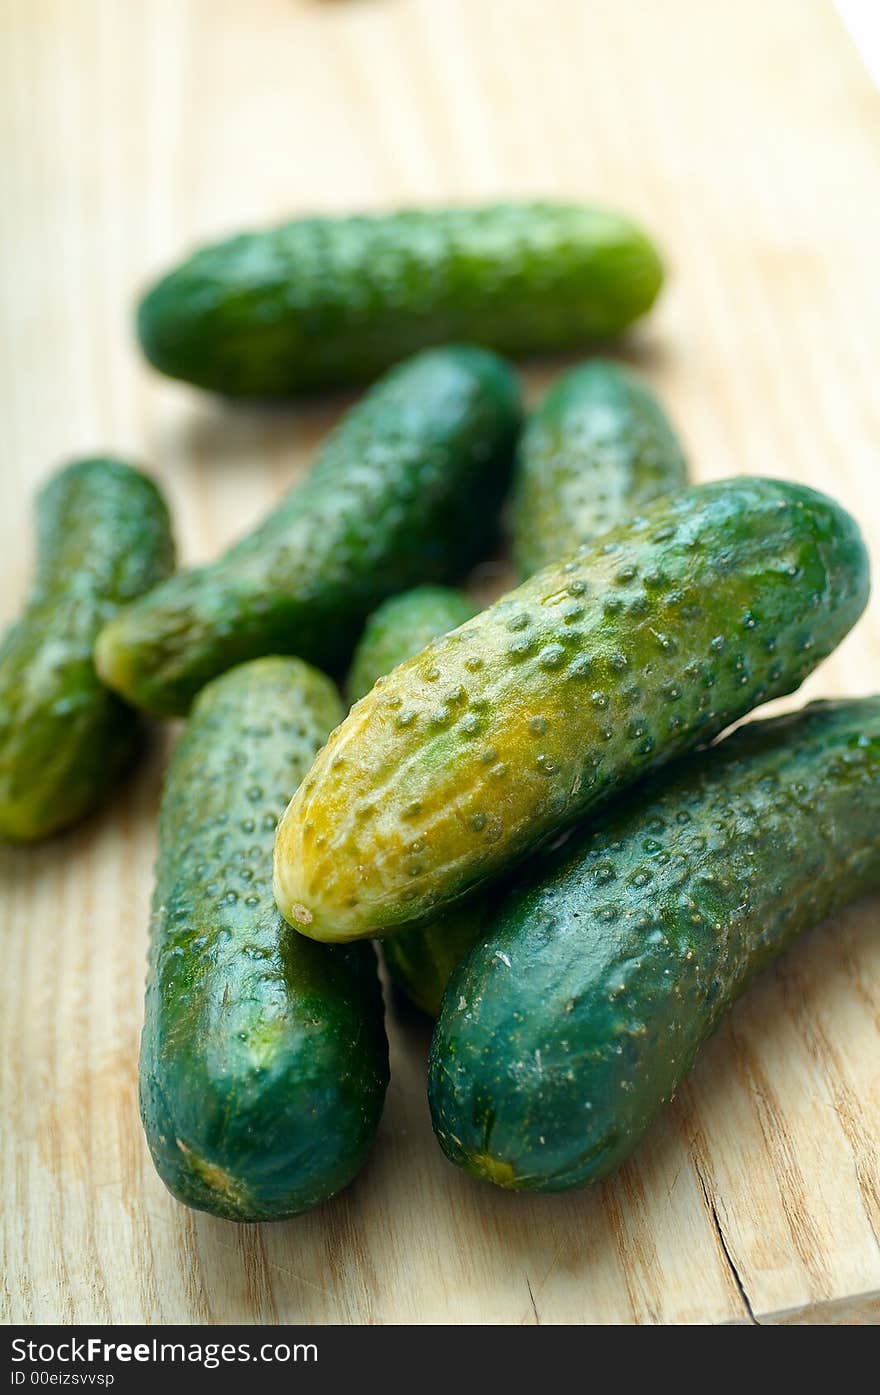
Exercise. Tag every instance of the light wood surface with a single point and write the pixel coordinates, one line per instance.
(746, 137)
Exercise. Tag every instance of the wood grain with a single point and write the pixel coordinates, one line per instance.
(746, 136)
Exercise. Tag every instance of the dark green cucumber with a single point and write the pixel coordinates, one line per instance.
(103, 538)
(264, 1061)
(402, 626)
(594, 453)
(562, 693)
(421, 958)
(576, 1016)
(407, 489)
(327, 302)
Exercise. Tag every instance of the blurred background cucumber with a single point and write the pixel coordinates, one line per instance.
(103, 538)
(322, 303)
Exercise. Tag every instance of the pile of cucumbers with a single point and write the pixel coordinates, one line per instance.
(531, 806)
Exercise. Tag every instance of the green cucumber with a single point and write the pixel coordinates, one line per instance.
(332, 302)
(103, 538)
(575, 1018)
(264, 1061)
(407, 489)
(421, 958)
(556, 697)
(594, 453)
(402, 626)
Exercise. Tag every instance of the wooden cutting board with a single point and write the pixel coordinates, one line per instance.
(746, 137)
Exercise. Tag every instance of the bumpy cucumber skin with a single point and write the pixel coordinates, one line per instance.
(331, 302)
(407, 489)
(402, 626)
(593, 454)
(569, 688)
(574, 1019)
(103, 538)
(421, 958)
(264, 1061)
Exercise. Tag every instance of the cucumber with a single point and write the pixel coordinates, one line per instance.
(594, 453)
(402, 626)
(332, 302)
(263, 1061)
(566, 690)
(103, 538)
(407, 489)
(421, 958)
(581, 1009)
